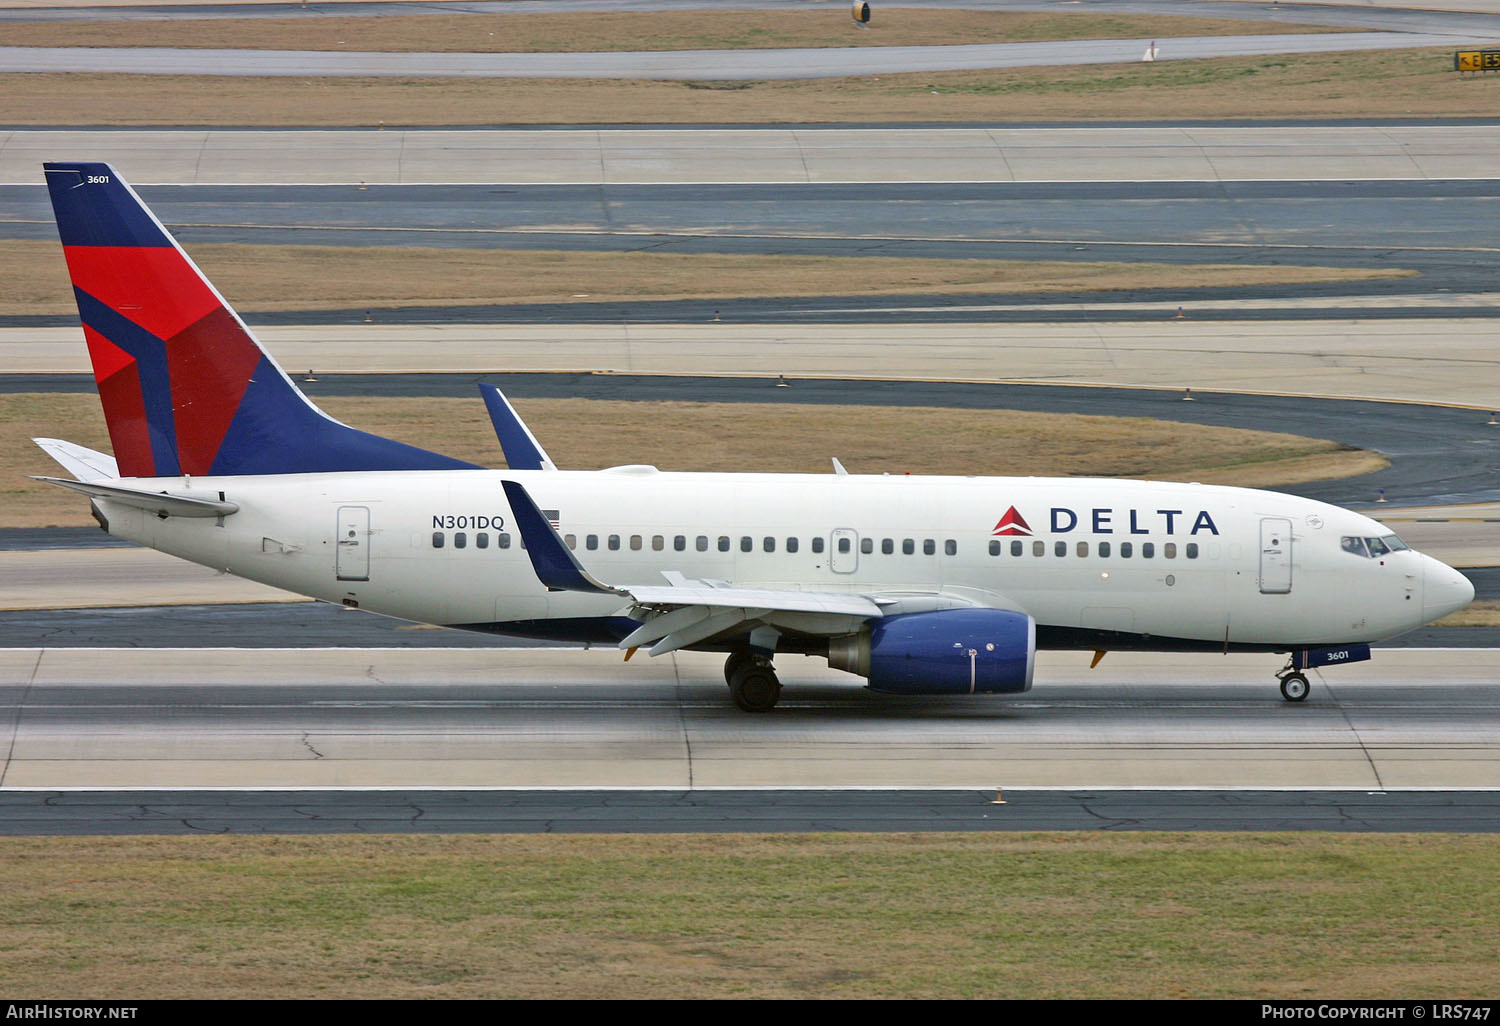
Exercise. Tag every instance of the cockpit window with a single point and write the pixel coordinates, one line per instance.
(1373, 548)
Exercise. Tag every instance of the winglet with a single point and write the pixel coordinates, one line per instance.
(522, 450)
(551, 559)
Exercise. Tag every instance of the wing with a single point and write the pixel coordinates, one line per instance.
(685, 612)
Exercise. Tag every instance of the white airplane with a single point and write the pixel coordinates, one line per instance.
(921, 585)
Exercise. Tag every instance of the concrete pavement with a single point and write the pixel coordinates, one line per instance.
(769, 155)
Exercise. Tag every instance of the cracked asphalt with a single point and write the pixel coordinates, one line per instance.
(739, 811)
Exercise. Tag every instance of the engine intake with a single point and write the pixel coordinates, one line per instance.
(948, 652)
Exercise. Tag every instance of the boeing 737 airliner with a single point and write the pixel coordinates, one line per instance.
(921, 585)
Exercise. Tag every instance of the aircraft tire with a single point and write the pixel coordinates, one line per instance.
(755, 688)
(740, 660)
(1294, 687)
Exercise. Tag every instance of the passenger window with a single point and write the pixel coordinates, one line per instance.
(702, 543)
(635, 543)
(1104, 550)
(1126, 549)
(1148, 549)
(768, 544)
(1192, 550)
(887, 545)
(658, 543)
(1060, 548)
(1169, 550)
(460, 540)
(592, 542)
(1038, 548)
(950, 547)
(929, 547)
(679, 543)
(908, 546)
(614, 543)
(817, 544)
(843, 544)
(1016, 548)
(1083, 548)
(481, 540)
(503, 540)
(747, 543)
(437, 539)
(867, 545)
(994, 547)
(723, 543)
(571, 541)
(791, 544)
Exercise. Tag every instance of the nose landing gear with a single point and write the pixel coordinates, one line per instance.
(1294, 686)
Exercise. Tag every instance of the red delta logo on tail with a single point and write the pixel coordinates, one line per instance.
(1012, 523)
(185, 386)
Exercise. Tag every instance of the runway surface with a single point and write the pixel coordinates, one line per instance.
(547, 718)
(694, 155)
(407, 811)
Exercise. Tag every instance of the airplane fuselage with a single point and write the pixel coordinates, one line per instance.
(1099, 563)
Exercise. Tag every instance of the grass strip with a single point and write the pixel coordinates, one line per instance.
(1091, 915)
(1380, 84)
(617, 31)
(259, 277)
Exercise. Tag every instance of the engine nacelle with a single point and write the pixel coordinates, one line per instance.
(947, 652)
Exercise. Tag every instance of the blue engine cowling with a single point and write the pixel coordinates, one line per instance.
(947, 652)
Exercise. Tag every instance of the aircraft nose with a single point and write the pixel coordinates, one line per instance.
(1444, 590)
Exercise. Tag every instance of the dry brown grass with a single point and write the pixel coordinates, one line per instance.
(1386, 84)
(584, 434)
(660, 30)
(1482, 613)
(324, 277)
(982, 915)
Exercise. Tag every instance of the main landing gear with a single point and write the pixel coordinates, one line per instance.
(752, 682)
(1294, 686)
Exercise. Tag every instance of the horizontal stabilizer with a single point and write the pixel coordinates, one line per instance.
(160, 503)
(84, 464)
